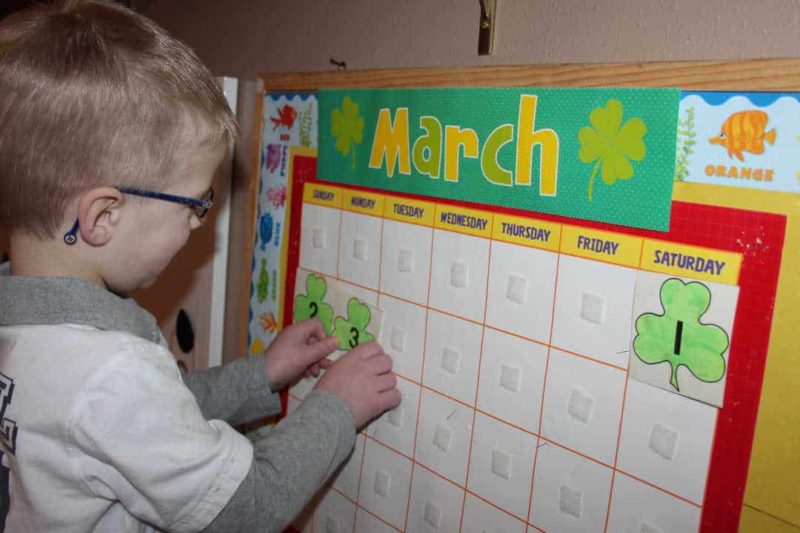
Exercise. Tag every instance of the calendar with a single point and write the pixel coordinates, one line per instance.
(556, 374)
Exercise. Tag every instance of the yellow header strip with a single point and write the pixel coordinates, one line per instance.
(691, 261)
(618, 248)
(326, 195)
(407, 210)
(463, 220)
(605, 246)
(527, 232)
(363, 202)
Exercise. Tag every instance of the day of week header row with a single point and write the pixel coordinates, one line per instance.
(617, 248)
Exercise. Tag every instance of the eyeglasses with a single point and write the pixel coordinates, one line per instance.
(199, 205)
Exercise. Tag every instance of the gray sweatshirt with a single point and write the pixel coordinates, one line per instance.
(289, 465)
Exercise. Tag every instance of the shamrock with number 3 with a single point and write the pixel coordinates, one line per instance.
(353, 330)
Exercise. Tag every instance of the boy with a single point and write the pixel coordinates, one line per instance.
(110, 132)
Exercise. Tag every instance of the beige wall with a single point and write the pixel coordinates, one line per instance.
(245, 37)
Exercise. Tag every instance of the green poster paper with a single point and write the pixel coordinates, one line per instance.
(596, 154)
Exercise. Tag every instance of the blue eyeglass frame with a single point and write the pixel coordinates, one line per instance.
(200, 206)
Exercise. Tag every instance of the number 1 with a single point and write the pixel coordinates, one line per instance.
(678, 335)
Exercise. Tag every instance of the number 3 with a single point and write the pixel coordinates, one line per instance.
(354, 341)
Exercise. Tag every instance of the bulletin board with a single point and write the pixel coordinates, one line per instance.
(493, 461)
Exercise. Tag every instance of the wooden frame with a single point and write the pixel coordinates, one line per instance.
(750, 75)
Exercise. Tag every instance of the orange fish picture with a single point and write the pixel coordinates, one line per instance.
(745, 132)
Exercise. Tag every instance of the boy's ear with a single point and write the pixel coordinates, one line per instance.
(98, 214)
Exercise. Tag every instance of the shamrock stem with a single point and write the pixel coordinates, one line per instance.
(591, 180)
(674, 380)
(353, 151)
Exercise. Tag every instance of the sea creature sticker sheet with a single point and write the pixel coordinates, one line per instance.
(289, 120)
(740, 140)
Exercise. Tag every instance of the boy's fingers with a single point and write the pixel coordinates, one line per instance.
(323, 348)
(382, 363)
(386, 382)
(325, 363)
(370, 349)
(310, 328)
(389, 399)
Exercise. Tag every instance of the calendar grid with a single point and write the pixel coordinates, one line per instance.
(474, 494)
(370, 440)
(757, 237)
(540, 439)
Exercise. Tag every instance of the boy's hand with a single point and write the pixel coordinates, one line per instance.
(363, 379)
(299, 348)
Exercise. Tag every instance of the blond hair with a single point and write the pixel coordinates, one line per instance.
(92, 94)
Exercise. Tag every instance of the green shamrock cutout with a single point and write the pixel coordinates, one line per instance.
(353, 331)
(311, 304)
(610, 145)
(678, 337)
(347, 128)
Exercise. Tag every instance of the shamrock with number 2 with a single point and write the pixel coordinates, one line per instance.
(312, 305)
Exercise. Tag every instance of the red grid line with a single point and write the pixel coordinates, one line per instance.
(388, 447)
(477, 389)
(359, 506)
(487, 502)
(660, 489)
(616, 452)
(544, 381)
(421, 374)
